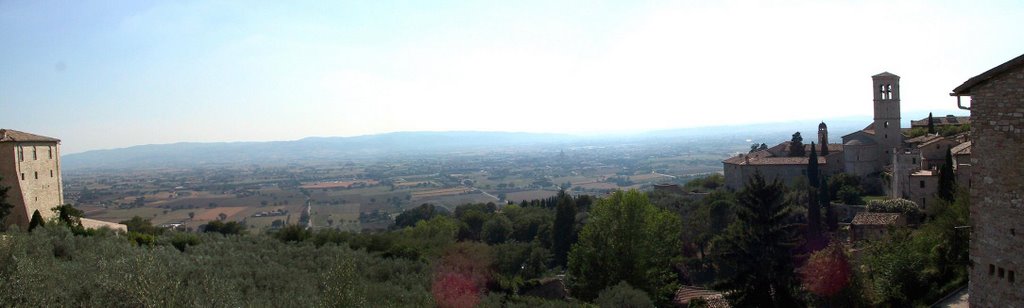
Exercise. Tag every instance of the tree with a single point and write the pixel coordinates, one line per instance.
(796, 146)
(5, 207)
(226, 228)
(824, 149)
(623, 295)
(947, 179)
(754, 255)
(931, 124)
(496, 230)
(813, 206)
(827, 272)
(831, 218)
(141, 225)
(409, 218)
(37, 221)
(69, 215)
(626, 239)
(563, 233)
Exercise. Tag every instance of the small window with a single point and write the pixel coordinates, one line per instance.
(34, 154)
(51, 173)
(886, 125)
(1011, 276)
(922, 184)
(22, 176)
(914, 160)
(21, 154)
(36, 174)
(50, 151)
(1001, 273)
(991, 269)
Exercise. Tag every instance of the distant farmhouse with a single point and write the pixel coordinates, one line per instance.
(30, 166)
(997, 197)
(882, 150)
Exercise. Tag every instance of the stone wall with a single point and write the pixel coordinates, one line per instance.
(997, 199)
(34, 178)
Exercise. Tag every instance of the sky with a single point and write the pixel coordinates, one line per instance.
(110, 74)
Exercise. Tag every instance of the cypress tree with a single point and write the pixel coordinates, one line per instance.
(947, 179)
(931, 124)
(563, 235)
(37, 221)
(813, 207)
(5, 208)
(826, 202)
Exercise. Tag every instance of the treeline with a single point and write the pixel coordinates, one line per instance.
(627, 249)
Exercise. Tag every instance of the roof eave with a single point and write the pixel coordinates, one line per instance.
(965, 88)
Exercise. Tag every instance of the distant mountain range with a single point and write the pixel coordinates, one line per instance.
(191, 154)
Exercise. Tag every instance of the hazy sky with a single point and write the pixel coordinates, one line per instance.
(100, 74)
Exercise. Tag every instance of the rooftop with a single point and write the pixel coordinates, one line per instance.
(10, 135)
(962, 149)
(942, 120)
(865, 218)
(965, 88)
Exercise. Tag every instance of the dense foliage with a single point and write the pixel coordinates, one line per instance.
(626, 239)
(53, 267)
(755, 253)
(630, 249)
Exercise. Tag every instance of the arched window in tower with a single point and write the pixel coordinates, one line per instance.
(886, 124)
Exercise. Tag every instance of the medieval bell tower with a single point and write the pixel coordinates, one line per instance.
(888, 133)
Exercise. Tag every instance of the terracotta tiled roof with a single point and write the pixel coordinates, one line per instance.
(761, 161)
(924, 173)
(865, 218)
(685, 294)
(933, 141)
(944, 120)
(10, 135)
(962, 149)
(832, 148)
(922, 139)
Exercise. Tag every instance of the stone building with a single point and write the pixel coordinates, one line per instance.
(997, 199)
(869, 150)
(873, 226)
(948, 120)
(30, 166)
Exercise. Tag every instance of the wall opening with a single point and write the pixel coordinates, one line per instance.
(991, 269)
(1001, 273)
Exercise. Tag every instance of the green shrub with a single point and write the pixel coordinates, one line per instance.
(623, 295)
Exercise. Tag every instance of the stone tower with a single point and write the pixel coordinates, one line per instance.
(30, 166)
(888, 134)
(823, 134)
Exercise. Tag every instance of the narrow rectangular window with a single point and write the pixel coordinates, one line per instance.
(36, 174)
(21, 154)
(922, 184)
(991, 269)
(1010, 277)
(34, 153)
(1001, 273)
(22, 176)
(50, 151)
(51, 173)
